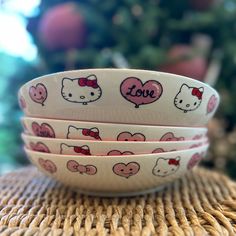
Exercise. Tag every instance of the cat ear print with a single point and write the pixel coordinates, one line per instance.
(160, 159)
(66, 80)
(94, 129)
(63, 146)
(71, 128)
(177, 158)
(201, 89)
(184, 87)
(92, 77)
(85, 147)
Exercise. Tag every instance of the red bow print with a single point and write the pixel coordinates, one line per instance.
(88, 132)
(173, 162)
(88, 82)
(196, 92)
(82, 150)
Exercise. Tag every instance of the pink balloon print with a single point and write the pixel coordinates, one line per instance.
(74, 166)
(24, 127)
(47, 165)
(126, 170)
(38, 93)
(22, 102)
(138, 93)
(195, 159)
(212, 103)
(43, 130)
(119, 153)
(39, 147)
(171, 137)
(127, 136)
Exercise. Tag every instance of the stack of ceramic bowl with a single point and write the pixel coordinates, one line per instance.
(116, 131)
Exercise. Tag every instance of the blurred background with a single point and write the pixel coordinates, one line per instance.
(187, 37)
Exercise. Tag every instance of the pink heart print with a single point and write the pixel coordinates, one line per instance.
(212, 104)
(39, 147)
(196, 145)
(170, 137)
(126, 170)
(74, 166)
(38, 93)
(43, 130)
(158, 150)
(206, 142)
(197, 137)
(127, 136)
(138, 93)
(119, 153)
(47, 165)
(22, 102)
(195, 159)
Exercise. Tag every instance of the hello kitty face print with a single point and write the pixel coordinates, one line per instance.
(83, 133)
(166, 166)
(188, 98)
(81, 90)
(79, 150)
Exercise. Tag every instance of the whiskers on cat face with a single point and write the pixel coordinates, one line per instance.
(188, 98)
(81, 90)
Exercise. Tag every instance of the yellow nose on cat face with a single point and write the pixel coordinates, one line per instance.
(82, 97)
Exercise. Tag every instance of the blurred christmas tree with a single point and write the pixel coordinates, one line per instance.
(187, 37)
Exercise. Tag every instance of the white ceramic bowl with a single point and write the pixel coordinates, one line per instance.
(66, 129)
(117, 175)
(105, 148)
(120, 96)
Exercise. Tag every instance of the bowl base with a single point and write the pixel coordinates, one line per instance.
(121, 194)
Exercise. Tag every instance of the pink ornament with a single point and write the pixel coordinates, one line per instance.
(62, 27)
(183, 60)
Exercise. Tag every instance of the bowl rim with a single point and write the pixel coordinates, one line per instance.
(152, 155)
(116, 70)
(125, 125)
(28, 136)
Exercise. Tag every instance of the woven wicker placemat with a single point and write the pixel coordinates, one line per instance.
(202, 203)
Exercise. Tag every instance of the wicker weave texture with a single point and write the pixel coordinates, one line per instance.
(202, 203)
